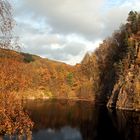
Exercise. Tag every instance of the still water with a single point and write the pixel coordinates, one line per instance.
(70, 120)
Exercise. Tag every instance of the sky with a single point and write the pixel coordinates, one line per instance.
(64, 30)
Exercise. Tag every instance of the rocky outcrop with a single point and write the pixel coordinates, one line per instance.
(114, 67)
(126, 92)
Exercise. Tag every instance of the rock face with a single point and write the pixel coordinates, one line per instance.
(126, 92)
(115, 67)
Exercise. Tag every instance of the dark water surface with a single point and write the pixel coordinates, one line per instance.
(70, 120)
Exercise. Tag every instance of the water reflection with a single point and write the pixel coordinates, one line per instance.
(127, 123)
(17, 137)
(65, 133)
(68, 120)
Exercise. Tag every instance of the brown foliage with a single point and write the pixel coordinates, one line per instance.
(12, 79)
(13, 118)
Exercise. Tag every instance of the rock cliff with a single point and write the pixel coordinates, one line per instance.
(114, 67)
(126, 92)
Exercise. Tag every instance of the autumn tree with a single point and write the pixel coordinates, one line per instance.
(12, 117)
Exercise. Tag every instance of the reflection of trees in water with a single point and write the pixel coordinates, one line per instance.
(59, 113)
(94, 122)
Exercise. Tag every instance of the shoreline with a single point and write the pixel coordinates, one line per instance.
(55, 98)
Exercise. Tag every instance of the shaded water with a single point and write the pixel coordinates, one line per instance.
(70, 120)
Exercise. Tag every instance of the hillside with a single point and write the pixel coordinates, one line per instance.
(115, 67)
(36, 77)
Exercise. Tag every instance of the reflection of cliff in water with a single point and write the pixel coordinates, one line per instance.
(127, 124)
(82, 118)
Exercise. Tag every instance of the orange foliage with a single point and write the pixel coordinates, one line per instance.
(12, 116)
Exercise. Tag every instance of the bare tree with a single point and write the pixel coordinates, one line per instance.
(6, 24)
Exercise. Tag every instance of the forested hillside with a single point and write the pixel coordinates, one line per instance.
(115, 67)
(36, 77)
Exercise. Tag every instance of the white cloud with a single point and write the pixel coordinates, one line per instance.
(68, 16)
(65, 29)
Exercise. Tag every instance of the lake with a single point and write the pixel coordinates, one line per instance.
(79, 120)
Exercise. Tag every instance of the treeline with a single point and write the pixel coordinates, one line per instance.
(109, 65)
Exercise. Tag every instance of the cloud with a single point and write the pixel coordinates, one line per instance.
(53, 46)
(88, 18)
(68, 16)
(65, 29)
(64, 54)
